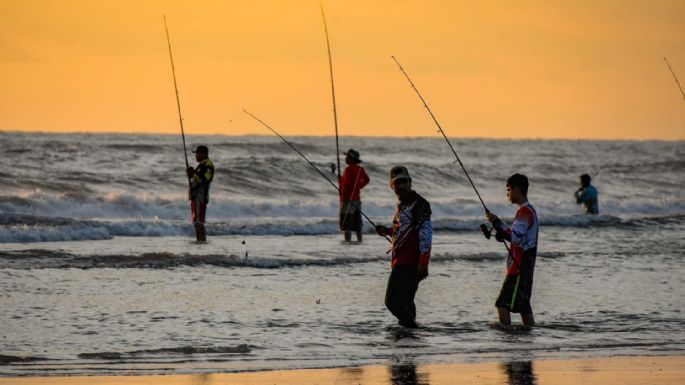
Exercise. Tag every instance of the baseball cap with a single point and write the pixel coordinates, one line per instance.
(201, 148)
(399, 172)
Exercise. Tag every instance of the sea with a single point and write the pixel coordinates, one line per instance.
(100, 272)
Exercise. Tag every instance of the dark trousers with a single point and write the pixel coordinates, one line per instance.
(399, 296)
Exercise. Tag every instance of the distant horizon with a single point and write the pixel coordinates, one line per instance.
(123, 133)
(557, 70)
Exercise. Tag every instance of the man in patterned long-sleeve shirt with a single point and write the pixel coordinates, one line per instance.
(412, 234)
(200, 179)
(517, 288)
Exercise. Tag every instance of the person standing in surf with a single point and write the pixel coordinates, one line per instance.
(412, 236)
(353, 179)
(517, 289)
(200, 180)
(587, 195)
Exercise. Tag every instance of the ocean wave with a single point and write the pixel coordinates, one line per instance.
(42, 259)
(82, 204)
(181, 350)
(54, 259)
(17, 228)
(6, 359)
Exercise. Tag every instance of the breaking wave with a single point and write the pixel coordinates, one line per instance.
(16, 228)
(181, 350)
(51, 259)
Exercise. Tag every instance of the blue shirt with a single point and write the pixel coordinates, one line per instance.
(589, 197)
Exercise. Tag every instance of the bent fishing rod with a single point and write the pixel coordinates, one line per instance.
(442, 132)
(335, 110)
(310, 163)
(448, 142)
(178, 101)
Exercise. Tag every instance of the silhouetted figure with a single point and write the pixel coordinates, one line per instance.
(200, 180)
(587, 195)
(412, 236)
(353, 179)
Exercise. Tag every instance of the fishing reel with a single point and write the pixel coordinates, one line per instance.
(487, 232)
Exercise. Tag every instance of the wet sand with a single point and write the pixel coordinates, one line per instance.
(601, 370)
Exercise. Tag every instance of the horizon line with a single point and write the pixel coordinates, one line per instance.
(75, 132)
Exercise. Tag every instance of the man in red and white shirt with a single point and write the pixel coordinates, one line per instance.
(412, 239)
(353, 179)
(517, 288)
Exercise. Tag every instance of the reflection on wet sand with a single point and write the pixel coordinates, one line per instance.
(639, 370)
(405, 374)
(519, 372)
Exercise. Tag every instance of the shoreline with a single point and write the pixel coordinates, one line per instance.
(626, 370)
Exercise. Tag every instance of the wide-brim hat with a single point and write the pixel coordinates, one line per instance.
(354, 155)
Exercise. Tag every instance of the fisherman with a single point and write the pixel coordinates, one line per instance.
(587, 195)
(517, 288)
(412, 234)
(353, 179)
(200, 180)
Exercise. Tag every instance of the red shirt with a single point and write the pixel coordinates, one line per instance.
(412, 232)
(353, 179)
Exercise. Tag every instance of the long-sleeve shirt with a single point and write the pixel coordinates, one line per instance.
(412, 232)
(353, 179)
(590, 198)
(523, 235)
(201, 180)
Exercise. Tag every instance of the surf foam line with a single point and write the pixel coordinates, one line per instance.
(123, 206)
(181, 350)
(17, 228)
(51, 259)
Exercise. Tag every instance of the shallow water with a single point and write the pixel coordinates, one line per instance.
(105, 278)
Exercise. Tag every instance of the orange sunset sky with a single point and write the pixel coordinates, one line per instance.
(531, 69)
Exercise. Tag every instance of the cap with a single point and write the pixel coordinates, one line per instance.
(202, 149)
(399, 172)
(354, 154)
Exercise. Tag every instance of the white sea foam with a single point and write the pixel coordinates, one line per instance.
(132, 185)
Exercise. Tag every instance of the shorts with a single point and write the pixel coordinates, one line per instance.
(199, 210)
(515, 294)
(351, 215)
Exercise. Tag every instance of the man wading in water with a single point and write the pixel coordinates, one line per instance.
(587, 195)
(412, 234)
(352, 181)
(200, 180)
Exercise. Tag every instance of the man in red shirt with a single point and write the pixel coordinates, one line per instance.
(353, 179)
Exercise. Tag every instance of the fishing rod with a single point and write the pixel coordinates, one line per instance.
(335, 110)
(310, 163)
(178, 101)
(442, 132)
(675, 77)
(483, 227)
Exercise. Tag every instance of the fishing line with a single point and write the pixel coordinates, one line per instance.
(311, 164)
(448, 142)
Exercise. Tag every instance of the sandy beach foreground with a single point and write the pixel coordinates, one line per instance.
(606, 370)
